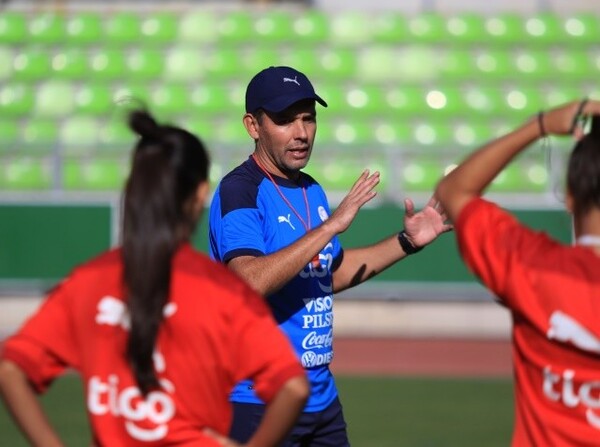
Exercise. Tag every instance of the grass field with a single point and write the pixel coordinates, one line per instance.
(381, 412)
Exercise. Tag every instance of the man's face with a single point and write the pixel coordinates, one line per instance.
(285, 139)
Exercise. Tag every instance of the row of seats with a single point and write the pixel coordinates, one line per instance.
(415, 174)
(58, 99)
(307, 26)
(374, 63)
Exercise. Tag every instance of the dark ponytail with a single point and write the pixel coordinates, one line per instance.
(168, 165)
(583, 175)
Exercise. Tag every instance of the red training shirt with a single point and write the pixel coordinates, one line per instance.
(553, 292)
(216, 331)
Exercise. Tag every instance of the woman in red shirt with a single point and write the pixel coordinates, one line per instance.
(158, 332)
(552, 289)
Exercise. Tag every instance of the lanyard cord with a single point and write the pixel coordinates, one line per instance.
(268, 174)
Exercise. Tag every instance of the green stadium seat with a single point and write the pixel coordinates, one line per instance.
(377, 63)
(107, 64)
(46, 28)
(71, 63)
(431, 135)
(39, 137)
(335, 97)
(469, 134)
(405, 101)
(505, 29)
(197, 27)
(338, 63)
(389, 28)
(256, 59)
(466, 28)
(457, 65)
(159, 28)
(144, 64)
(533, 65)
(9, 135)
(7, 56)
(93, 99)
(582, 28)
(392, 133)
(484, 100)
(336, 174)
(102, 174)
(223, 63)
(494, 64)
(350, 28)
(84, 28)
(79, 135)
(428, 28)
(184, 63)
(527, 100)
(353, 133)
(25, 173)
(54, 99)
(444, 101)
(122, 28)
(409, 63)
(233, 134)
(311, 27)
(16, 99)
(31, 64)
(114, 136)
(556, 95)
(236, 27)
(544, 29)
(420, 174)
(306, 60)
(273, 27)
(572, 64)
(212, 98)
(170, 99)
(511, 179)
(13, 27)
(366, 100)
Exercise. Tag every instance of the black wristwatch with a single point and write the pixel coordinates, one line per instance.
(406, 245)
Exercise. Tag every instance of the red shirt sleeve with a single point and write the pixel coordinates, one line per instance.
(263, 352)
(44, 346)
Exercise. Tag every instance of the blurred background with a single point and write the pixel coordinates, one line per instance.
(412, 86)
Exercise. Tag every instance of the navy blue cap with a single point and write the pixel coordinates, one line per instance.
(276, 88)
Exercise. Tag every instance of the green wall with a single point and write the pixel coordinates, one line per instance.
(42, 243)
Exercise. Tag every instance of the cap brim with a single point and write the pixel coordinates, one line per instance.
(283, 102)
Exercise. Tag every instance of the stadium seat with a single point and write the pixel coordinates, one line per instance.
(223, 63)
(484, 100)
(144, 64)
(365, 100)
(494, 64)
(31, 64)
(24, 173)
(392, 133)
(13, 27)
(582, 29)
(428, 28)
(466, 28)
(70, 63)
(504, 29)
(420, 174)
(335, 174)
(197, 27)
(212, 99)
(107, 64)
(235, 27)
(544, 29)
(352, 133)
(405, 101)
(159, 28)
(337, 63)
(457, 65)
(79, 135)
(273, 27)
(255, 59)
(122, 28)
(533, 65)
(16, 99)
(444, 101)
(170, 99)
(305, 59)
(84, 28)
(7, 56)
(114, 136)
(470, 133)
(573, 65)
(350, 28)
(54, 99)
(311, 27)
(102, 174)
(46, 28)
(93, 99)
(39, 137)
(9, 135)
(389, 28)
(183, 63)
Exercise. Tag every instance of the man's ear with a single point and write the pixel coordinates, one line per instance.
(251, 125)
(569, 202)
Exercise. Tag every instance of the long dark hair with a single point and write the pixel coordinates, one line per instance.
(168, 165)
(583, 175)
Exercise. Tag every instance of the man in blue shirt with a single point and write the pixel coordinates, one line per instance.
(271, 223)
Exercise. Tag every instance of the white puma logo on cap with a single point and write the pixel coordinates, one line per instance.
(295, 80)
(566, 329)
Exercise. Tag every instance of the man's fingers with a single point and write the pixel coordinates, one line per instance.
(409, 207)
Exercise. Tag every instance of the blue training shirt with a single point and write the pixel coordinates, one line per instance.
(248, 216)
